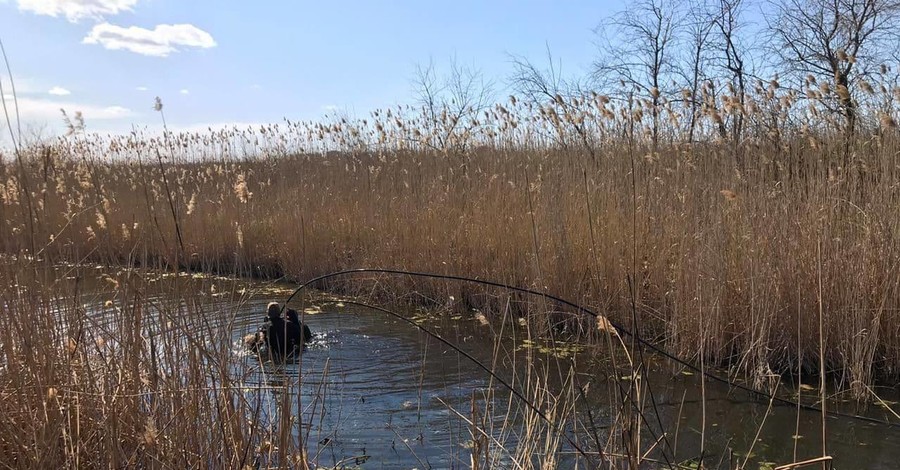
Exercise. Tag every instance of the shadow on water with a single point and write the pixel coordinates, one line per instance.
(375, 391)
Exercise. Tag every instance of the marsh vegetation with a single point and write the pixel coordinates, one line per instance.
(744, 224)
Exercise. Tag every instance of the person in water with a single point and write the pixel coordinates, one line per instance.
(277, 338)
(299, 330)
(280, 336)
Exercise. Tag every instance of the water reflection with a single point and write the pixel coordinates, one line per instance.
(374, 390)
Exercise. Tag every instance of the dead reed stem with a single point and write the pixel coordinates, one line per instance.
(635, 224)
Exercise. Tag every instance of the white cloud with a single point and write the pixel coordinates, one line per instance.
(161, 41)
(141, 88)
(75, 10)
(48, 110)
(330, 107)
(59, 91)
(185, 91)
(255, 86)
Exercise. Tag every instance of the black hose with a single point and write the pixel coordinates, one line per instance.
(619, 329)
(483, 367)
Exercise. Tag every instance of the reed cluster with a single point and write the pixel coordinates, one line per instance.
(115, 374)
(722, 236)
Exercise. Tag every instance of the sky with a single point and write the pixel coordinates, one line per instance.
(217, 63)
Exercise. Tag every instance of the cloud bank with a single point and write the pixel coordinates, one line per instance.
(76, 10)
(46, 110)
(160, 41)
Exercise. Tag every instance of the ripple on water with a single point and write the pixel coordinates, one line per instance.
(378, 392)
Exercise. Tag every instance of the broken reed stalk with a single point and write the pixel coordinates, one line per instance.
(822, 393)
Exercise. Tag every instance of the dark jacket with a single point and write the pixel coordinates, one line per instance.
(278, 337)
(298, 331)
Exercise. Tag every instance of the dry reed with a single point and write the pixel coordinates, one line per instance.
(792, 228)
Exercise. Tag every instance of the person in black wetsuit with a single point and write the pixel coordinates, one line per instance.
(280, 336)
(298, 331)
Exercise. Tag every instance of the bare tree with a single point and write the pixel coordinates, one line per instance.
(837, 41)
(537, 85)
(450, 105)
(727, 21)
(699, 31)
(639, 49)
(549, 87)
(429, 93)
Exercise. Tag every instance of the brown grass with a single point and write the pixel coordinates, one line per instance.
(534, 194)
(131, 384)
(138, 371)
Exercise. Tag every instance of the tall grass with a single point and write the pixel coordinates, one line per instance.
(565, 195)
(112, 375)
(135, 368)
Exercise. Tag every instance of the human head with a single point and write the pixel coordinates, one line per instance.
(292, 315)
(273, 310)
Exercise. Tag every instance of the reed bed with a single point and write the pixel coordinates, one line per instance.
(137, 368)
(586, 196)
(111, 375)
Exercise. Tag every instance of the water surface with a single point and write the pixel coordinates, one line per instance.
(377, 392)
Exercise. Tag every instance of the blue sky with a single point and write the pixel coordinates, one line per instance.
(251, 62)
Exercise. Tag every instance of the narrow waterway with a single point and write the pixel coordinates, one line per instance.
(377, 392)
